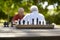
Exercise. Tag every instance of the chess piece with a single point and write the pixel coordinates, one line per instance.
(27, 22)
(23, 22)
(37, 21)
(6, 24)
(12, 24)
(33, 21)
(42, 22)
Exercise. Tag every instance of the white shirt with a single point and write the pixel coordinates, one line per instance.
(34, 15)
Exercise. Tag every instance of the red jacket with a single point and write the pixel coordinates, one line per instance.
(16, 17)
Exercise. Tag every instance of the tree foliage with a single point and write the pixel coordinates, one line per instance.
(10, 7)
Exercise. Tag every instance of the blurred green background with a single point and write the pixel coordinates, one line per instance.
(49, 8)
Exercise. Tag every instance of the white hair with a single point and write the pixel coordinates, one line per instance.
(20, 9)
(34, 8)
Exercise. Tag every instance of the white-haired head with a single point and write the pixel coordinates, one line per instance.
(34, 8)
(20, 9)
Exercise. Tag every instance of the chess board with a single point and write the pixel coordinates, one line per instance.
(35, 26)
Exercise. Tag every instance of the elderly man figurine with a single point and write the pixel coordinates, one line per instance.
(19, 16)
(34, 18)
